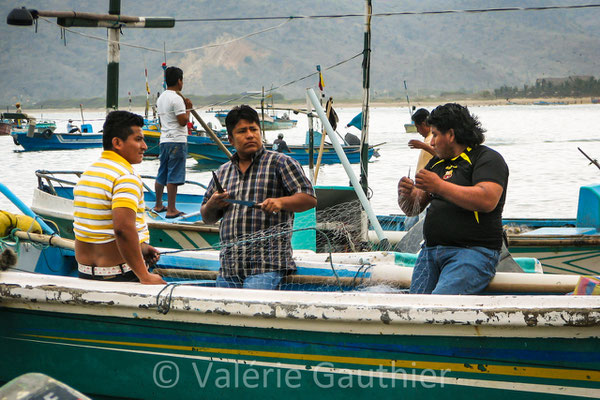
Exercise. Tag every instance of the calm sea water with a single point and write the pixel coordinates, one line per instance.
(539, 144)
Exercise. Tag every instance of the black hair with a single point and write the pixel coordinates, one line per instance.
(118, 124)
(420, 116)
(238, 113)
(467, 128)
(173, 75)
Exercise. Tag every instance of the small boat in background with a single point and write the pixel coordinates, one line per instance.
(37, 136)
(268, 123)
(209, 153)
(409, 128)
(23, 123)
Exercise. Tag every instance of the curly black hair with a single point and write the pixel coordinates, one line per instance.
(467, 128)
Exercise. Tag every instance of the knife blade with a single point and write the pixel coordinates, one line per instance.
(217, 183)
(247, 203)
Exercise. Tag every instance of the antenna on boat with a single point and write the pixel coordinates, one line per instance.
(407, 100)
(81, 111)
(147, 109)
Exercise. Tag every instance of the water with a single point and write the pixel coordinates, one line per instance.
(539, 144)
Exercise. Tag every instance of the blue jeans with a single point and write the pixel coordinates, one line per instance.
(172, 163)
(267, 281)
(453, 270)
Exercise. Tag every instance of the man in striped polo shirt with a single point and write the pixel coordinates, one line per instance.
(276, 183)
(111, 235)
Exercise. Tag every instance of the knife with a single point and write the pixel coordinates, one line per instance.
(247, 203)
(217, 183)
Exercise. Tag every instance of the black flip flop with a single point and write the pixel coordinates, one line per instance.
(179, 214)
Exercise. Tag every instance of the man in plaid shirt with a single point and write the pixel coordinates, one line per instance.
(277, 184)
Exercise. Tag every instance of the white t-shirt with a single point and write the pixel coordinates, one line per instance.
(170, 105)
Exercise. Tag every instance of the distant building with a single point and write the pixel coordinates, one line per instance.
(560, 81)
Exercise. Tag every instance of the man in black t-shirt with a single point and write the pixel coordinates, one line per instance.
(466, 185)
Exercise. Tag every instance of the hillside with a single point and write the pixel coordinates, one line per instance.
(434, 53)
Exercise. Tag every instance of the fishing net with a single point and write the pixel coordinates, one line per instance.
(331, 252)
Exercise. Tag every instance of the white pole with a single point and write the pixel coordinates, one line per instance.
(340, 152)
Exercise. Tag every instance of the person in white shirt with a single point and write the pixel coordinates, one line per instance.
(174, 114)
(72, 128)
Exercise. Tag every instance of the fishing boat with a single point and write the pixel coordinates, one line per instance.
(411, 127)
(563, 246)
(53, 200)
(48, 140)
(321, 331)
(195, 139)
(206, 152)
(209, 153)
(39, 136)
(267, 122)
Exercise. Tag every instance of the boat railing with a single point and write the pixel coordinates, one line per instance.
(48, 179)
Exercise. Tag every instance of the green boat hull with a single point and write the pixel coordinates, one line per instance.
(139, 358)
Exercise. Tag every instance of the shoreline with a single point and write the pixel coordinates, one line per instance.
(418, 103)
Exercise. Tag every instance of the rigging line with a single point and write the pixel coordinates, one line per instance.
(169, 51)
(285, 84)
(392, 13)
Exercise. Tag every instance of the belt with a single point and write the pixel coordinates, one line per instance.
(103, 271)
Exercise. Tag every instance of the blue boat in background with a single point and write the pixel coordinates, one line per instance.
(268, 123)
(41, 136)
(48, 140)
(206, 152)
(209, 153)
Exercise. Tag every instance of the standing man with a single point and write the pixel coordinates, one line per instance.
(276, 182)
(419, 117)
(466, 185)
(174, 113)
(111, 235)
(18, 111)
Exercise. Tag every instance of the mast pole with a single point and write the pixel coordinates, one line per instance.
(364, 139)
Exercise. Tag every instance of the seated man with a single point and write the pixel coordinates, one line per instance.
(111, 235)
(72, 128)
(280, 145)
(273, 180)
(466, 185)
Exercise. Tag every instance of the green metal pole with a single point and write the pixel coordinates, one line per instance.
(364, 150)
(113, 58)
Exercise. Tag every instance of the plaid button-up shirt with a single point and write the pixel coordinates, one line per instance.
(245, 249)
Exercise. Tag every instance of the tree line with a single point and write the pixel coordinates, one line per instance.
(544, 88)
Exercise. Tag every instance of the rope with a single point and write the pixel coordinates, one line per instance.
(391, 14)
(136, 46)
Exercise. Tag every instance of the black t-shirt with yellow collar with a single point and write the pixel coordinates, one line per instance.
(447, 224)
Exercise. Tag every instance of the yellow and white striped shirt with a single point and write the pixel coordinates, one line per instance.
(109, 183)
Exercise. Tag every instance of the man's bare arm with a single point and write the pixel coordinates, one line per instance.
(129, 246)
(297, 202)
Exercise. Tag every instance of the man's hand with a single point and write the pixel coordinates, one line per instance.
(405, 187)
(152, 279)
(211, 210)
(217, 201)
(428, 181)
(272, 205)
(150, 253)
(188, 104)
(416, 144)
